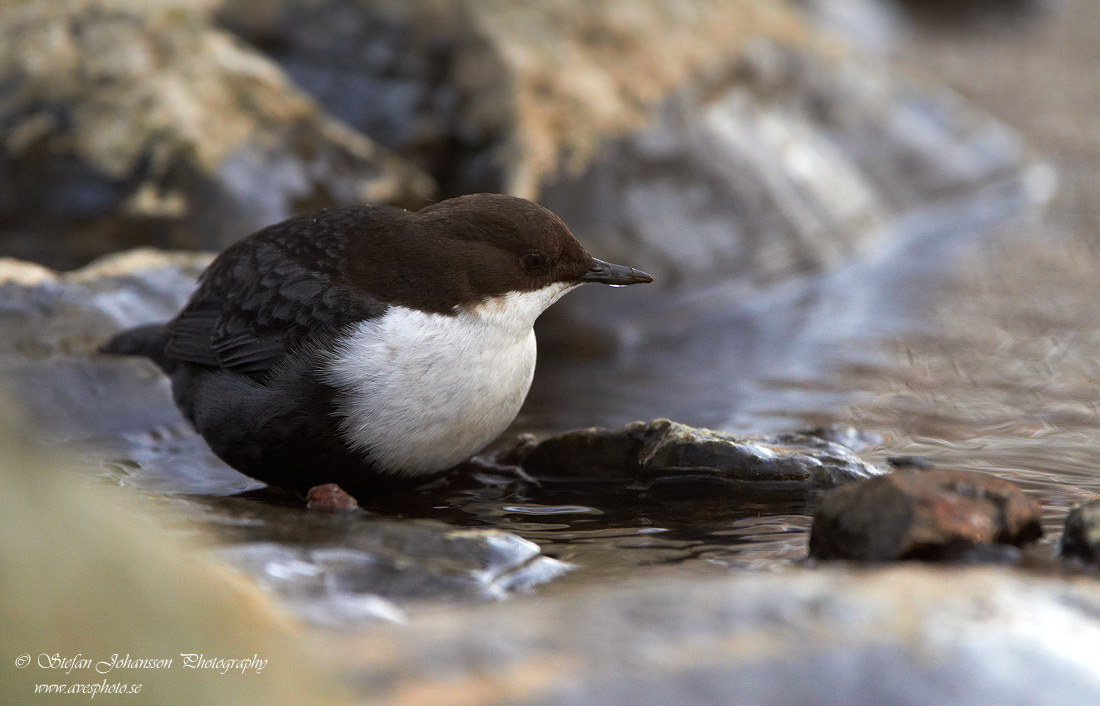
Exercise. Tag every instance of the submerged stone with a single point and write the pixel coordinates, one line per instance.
(923, 515)
(645, 455)
(1081, 537)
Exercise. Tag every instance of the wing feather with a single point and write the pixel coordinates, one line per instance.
(272, 291)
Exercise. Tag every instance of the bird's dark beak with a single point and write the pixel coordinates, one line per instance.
(619, 275)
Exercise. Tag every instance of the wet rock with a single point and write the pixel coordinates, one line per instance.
(52, 324)
(662, 454)
(127, 123)
(378, 568)
(922, 515)
(1081, 537)
(903, 635)
(119, 411)
(846, 435)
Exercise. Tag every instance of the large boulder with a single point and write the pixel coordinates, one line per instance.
(703, 140)
(126, 122)
(511, 91)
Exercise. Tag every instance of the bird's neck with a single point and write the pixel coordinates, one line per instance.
(515, 312)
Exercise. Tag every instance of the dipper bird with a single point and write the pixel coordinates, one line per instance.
(368, 346)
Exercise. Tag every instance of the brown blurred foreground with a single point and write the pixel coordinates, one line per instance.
(89, 574)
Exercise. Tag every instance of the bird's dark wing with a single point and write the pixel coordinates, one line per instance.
(271, 291)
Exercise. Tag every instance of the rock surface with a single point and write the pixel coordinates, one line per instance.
(513, 90)
(784, 163)
(1081, 537)
(661, 454)
(900, 636)
(701, 139)
(53, 323)
(129, 122)
(922, 515)
(706, 140)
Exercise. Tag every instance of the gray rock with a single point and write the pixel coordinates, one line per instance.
(898, 637)
(52, 324)
(923, 515)
(1081, 537)
(129, 123)
(385, 69)
(644, 455)
(783, 164)
(119, 410)
(502, 95)
(724, 140)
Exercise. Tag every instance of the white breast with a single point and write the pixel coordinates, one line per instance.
(422, 392)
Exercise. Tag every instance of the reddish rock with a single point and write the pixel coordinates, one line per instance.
(330, 498)
(922, 515)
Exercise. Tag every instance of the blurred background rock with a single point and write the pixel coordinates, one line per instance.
(702, 140)
(128, 123)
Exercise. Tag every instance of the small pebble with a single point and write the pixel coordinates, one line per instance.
(330, 498)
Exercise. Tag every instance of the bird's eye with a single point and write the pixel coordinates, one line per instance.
(534, 261)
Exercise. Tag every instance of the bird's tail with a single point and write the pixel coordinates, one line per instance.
(147, 340)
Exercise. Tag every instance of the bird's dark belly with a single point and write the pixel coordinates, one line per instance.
(281, 430)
